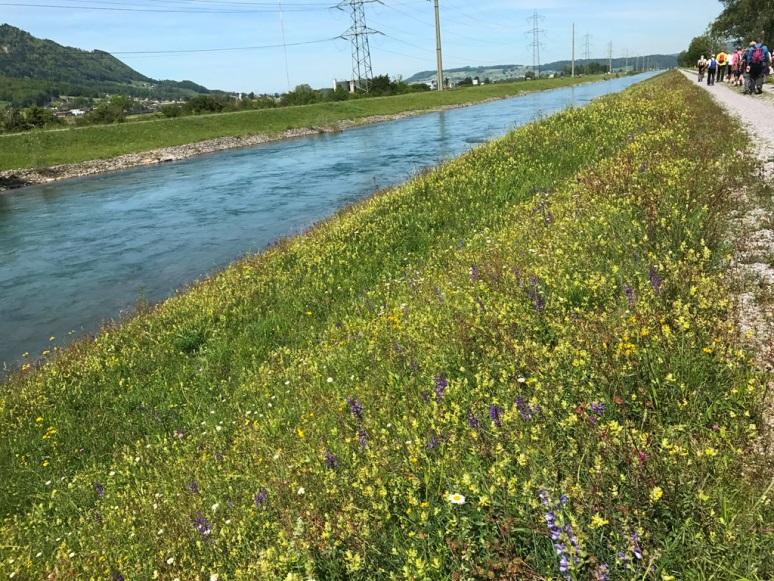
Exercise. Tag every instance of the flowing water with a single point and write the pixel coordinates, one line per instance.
(76, 253)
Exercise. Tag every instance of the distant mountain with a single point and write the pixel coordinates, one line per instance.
(505, 72)
(34, 70)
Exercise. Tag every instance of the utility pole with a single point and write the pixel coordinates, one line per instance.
(438, 52)
(573, 50)
(284, 43)
(358, 34)
(535, 32)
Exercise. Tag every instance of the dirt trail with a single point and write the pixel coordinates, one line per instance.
(752, 234)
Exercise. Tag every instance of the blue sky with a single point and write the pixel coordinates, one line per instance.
(476, 32)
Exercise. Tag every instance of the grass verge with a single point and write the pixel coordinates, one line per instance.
(40, 149)
(542, 327)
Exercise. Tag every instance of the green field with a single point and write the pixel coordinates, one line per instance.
(551, 340)
(39, 149)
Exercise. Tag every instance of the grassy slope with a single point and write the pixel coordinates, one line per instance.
(47, 148)
(508, 278)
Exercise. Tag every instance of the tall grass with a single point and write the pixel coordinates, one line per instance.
(541, 327)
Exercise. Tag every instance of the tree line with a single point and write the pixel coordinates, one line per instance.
(740, 22)
(118, 108)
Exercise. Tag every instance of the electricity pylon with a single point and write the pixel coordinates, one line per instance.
(358, 34)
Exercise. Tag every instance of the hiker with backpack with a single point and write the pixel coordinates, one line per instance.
(737, 67)
(722, 59)
(757, 59)
(712, 69)
(702, 66)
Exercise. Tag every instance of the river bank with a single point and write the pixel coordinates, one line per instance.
(42, 157)
(499, 366)
(16, 179)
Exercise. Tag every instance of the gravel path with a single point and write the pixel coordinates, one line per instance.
(752, 233)
(755, 112)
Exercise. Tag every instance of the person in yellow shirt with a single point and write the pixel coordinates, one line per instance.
(722, 59)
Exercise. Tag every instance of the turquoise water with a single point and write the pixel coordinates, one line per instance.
(77, 253)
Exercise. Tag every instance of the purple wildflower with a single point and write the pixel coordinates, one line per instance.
(473, 421)
(99, 489)
(362, 438)
(536, 295)
(564, 565)
(631, 296)
(193, 487)
(474, 274)
(636, 551)
(564, 499)
(601, 573)
(330, 460)
(356, 408)
(571, 536)
(441, 384)
(202, 525)
(434, 442)
(494, 413)
(525, 410)
(655, 279)
(261, 497)
(116, 576)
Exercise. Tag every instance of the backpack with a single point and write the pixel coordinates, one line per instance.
(722, 59)
(757, 57)
(713, 64)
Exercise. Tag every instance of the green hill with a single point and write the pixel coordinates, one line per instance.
(34, 71)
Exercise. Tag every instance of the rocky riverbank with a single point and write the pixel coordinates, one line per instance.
(14, 179)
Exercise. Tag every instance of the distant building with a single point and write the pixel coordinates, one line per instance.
(77, 112)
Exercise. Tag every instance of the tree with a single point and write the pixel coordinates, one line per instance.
(746, 20)
(301, 95)
(467, 81)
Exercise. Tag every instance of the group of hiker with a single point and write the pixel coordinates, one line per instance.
(747, 68)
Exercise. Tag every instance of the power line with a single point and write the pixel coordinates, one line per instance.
(235, 48)
(171, 10)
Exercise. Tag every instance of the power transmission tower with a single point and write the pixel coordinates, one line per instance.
(536, 31)
(358, 34)
(610, 57)
(587, 42)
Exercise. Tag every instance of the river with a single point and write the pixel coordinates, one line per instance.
(77, 253)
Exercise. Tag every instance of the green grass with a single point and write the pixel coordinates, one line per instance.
(479, 315)
(40, 149)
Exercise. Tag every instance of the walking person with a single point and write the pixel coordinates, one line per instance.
(702, 66)
(757, 60)
(712, 69)
(722, 59)
(737, 66)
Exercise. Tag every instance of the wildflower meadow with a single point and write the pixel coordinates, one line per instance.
(521, 365)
